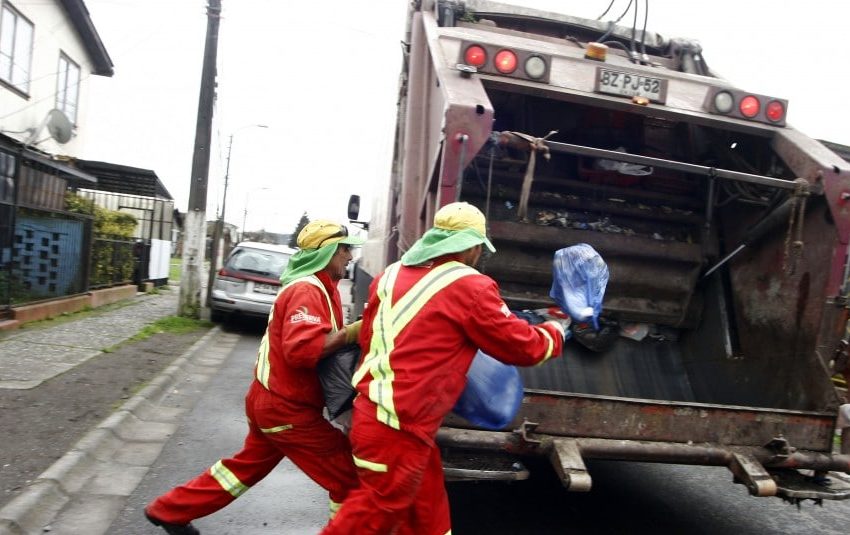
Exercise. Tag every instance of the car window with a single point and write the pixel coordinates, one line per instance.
(257, 262)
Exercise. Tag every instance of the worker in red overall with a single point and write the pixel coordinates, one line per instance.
(426, 318)
(284, 403)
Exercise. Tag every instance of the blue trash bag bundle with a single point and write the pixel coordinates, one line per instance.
(579, 278)
(492, 395)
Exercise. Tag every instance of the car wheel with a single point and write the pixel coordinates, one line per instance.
(217, 316)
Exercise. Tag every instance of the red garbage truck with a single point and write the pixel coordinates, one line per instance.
(725, 231)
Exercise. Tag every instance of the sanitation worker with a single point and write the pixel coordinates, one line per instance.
(426, 318)
(284, 402)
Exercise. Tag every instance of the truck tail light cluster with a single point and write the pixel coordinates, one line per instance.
(504, 61)
(748, 106)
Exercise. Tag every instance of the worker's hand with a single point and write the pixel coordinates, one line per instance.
(352, 332)
(558, 318)
(561, 325)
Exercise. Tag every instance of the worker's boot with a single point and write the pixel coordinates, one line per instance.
(173, 529)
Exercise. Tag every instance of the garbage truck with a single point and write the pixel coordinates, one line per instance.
(725, 231)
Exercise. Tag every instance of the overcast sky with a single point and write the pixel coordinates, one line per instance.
(323, 77)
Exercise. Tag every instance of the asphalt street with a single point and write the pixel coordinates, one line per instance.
(285, 502)
(192, 415)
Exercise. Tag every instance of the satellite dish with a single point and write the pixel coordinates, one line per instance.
(59, 126)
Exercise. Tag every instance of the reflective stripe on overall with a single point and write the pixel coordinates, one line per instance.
(263, 365)
(389, 321)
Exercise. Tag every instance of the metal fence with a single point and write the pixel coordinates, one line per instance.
(112, 262)
(7, 225)
(153, 232)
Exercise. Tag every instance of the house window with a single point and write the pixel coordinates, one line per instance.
(67, 87)
(15, 49)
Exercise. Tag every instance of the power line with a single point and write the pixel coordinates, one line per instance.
(607, 9)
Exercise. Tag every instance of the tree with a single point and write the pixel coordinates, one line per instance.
(293, 241)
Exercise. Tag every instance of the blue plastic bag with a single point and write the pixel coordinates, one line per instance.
(492, 395)
(579, 278)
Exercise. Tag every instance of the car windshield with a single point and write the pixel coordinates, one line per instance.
(257, 262)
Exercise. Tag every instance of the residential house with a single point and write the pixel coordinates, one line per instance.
(48, 52)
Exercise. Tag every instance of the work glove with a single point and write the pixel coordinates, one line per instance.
(352, 332)
(556, 317)
(562, 326)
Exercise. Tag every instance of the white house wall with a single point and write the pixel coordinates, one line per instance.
(53, 32)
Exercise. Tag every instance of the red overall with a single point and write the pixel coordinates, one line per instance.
(401, 479)
(284, 409)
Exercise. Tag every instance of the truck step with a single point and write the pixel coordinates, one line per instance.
(460, 466)
(794, 486)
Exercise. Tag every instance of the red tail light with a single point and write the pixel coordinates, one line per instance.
(746, 105)
(749, 106)
(475, 56)
(505, 61)
(775, 111)
(495, 59)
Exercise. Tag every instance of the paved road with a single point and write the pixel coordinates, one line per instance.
(285, 502)
(627, 497)
(637, 498)
(193, 414)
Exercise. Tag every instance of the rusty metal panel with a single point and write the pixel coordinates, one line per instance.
(553, 238)
(636, 419)
(780, 313)
(38, 189)
(650, 280)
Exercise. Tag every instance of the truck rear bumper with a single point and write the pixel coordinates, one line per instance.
(759, 468)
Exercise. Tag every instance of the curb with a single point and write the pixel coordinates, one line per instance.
(44, 498)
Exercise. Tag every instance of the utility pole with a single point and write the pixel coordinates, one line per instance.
(219, 227)
(216, 249)
(194, 241)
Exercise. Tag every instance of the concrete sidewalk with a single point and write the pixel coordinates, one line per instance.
(84, 489)
(37, 353)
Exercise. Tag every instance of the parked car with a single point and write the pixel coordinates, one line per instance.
(249, 281)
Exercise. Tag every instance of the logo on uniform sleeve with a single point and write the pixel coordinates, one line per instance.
(505, 310)
(304, 316)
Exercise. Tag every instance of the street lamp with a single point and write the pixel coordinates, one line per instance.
(219, 224)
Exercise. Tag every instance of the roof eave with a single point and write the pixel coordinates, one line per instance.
(79, 15)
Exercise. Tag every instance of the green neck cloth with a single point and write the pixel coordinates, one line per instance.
(438, 242)
(308, 261)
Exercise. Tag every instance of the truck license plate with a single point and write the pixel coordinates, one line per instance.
(629, 84)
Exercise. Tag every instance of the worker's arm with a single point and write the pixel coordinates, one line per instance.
(347, 335)
(493, 328)
(306, 331)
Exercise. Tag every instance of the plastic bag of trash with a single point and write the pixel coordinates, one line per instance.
(492, 395)
(624, 168)
(600, 339)
(579, 278)
(335, 372)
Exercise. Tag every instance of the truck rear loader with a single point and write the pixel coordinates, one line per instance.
(725, 231)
